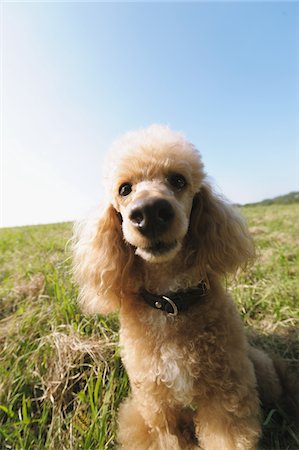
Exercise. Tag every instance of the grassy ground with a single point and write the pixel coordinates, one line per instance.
(61, 379)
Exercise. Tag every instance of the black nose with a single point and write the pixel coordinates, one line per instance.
(152, 216)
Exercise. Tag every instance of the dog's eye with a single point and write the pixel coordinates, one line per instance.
(125, 189)
(177, 181)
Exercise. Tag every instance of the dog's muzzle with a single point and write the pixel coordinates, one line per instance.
(152, 217)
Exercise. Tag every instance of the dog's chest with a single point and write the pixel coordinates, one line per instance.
(155, 361)
(172, 370)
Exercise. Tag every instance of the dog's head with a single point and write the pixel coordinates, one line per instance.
(159, 205)
(153, 181)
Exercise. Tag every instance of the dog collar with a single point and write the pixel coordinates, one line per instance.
(174, 303)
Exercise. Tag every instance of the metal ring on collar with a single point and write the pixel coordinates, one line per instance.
(172, 304)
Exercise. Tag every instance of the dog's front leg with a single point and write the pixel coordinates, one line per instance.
(133, 432)
(220, 428)
(150, 428)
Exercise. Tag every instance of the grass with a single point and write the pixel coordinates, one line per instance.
(61, 378)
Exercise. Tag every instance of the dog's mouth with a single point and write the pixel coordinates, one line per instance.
(158, 251)
(160, 248)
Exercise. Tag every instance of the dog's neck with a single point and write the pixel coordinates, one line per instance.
(169, 276)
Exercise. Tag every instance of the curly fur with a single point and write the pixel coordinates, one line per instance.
(193, 377)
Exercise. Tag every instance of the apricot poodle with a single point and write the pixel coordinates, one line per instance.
(157, 252)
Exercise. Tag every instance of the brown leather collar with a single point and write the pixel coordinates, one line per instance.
(174, 303)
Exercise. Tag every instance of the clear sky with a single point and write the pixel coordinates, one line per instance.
(75, 76)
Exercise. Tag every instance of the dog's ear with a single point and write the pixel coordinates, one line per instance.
(218, 238)
(102, 262)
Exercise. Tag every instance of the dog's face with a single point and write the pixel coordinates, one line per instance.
(153, 190)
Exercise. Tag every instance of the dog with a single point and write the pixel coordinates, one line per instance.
(157, 252)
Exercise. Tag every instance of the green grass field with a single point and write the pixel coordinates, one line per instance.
(61, 379)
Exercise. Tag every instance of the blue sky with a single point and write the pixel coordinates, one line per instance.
(77, 75)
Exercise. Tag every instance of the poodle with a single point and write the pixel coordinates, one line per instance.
(157, 253)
